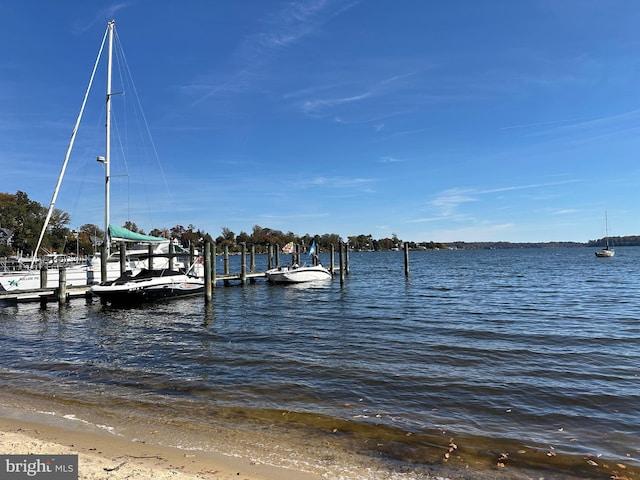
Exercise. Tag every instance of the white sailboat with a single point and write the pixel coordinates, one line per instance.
(90, 272)
(607, 251)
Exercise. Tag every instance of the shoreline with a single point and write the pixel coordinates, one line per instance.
(103, 455)
(106, 454)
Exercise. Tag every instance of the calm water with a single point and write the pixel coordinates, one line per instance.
(534, 353)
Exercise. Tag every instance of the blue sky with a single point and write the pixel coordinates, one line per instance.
(468, 120)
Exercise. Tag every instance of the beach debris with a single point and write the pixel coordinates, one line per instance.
(592, 463)
(452, 447)
(501, 459)
(114, 469)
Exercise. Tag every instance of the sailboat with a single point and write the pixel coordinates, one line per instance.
(296, 273)
(145, 284)
(89, 273)
(607, 251)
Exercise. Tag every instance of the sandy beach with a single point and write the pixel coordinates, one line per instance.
(104, 456)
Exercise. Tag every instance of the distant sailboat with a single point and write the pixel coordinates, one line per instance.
(607, 251)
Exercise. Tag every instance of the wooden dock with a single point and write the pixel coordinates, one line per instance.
(64, 293)
(45, 295)
(51, 294)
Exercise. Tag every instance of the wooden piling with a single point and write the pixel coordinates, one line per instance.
(269, 257)
(43, 276)
(346, 258)
(172, 249)
(212, 263)
(252, 263)
(62, 286)
(243, 263)
(226, 259)
(150, 252)
(103, 262)
(207, 273)
(331, 261)
(123, 258)
(226, 262)
(342, 248)
(277, 255)
(406, 259)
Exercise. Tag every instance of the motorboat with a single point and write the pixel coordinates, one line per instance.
(298, 274)
(148, 286)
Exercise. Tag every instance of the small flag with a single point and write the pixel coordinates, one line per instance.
(288, 248)
(312, 250)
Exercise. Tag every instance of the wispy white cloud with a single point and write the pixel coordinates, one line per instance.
(338, 182)
(449, 200)
(284, 29)
(390, 159)
(334, 97)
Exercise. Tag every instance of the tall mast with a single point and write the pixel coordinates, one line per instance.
(67, 156)
(107, 152)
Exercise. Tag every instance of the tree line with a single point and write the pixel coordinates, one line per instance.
(23, 219)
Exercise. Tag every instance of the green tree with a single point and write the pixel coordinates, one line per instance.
(24, 218)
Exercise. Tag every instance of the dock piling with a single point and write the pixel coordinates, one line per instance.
(207, 273)
(62, 286)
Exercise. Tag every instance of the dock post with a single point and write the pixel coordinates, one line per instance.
(43, 276)
(226, 259)
(192, 253)
(62, 286)
(342, 263)
(252, 262)
(277, 255)
(172, 249)
(331, 261)
(243, 263)
(150, 252)
(346, 258)
(212, 265)
(123, 258)
(269, 256)
(406, 259)
(207, 273)
(103, 262)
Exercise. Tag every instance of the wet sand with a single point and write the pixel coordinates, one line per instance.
(258, 455)
(104, 456)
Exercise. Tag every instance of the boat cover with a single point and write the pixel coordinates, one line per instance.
(121, 234)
